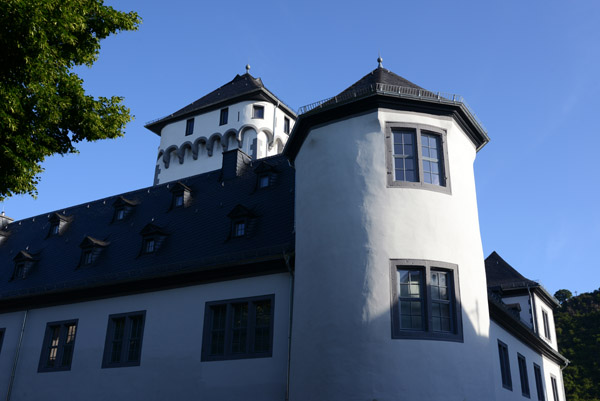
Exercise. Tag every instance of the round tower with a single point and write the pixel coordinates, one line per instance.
(390, 299)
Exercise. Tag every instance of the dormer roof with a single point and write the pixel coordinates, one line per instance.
(241, 87)
(90, 242)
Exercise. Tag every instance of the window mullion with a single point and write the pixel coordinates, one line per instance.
(419, 161)
(62, 340)
(126, 340)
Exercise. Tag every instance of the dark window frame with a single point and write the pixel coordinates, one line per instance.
(539, 382)
(504, 359)
(236, 224)
(2, 334)
(126, 340)
(554, 384)
(146, 248)
(63, 336)
(229, 329)
(224, 116)
(87, 256)
(263, 180)
(419, 130)
(286, 125)
(546, 324)
(189, 126)
(120, 213)
(523, 376)
(258, 112)
(427, 333)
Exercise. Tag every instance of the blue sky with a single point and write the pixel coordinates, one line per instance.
(528, 69)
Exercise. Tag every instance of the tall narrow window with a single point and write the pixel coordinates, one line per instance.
(224, 116)
(425, 300)
(238, 328)
(258, 112)
(410, 300)
(286, 125)
(504, 365)
(123, 346)
(539, 383)
(546, 324)
(523, 375)
(404, 156)
(189, 127)
(58, 346)
(431, 151)
(2, 330)
(554, 388)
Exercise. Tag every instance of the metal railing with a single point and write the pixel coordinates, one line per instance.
(392, 90)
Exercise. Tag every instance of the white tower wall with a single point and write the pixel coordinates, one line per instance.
(349, 226)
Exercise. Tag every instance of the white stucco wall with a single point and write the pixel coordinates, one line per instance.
(268, 130)
(539, 306)
(514, 346)
(349, 225)
(171, 366)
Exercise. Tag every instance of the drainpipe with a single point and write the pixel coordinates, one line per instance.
(14, 368)
(287, 380)
(533, 315)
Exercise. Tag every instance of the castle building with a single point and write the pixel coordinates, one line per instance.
(330, 254)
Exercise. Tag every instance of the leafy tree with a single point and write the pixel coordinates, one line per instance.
(43, 107)
(562, 295)
(578, 331)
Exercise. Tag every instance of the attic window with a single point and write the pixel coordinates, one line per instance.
(263, 180)
(266, 175)
(189, 127)
(58, 224)
(242, 220)
(181, 196)
(123, 208)
(153, 237)
(55, 228)
(24, 262)
(239, 228)
(21, 270)
(91, 249)
(120, 214)
(258, 112)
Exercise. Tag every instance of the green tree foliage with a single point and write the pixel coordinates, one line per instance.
(43, 107)
(562, 295)
(578, 331)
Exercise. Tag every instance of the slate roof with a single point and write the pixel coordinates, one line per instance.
(239, 87)
(197, 236)
(379, 75)
(500, 274)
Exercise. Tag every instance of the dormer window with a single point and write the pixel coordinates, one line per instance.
(91, 249)
(123, 208)
(258, 112)
(58, 224)
(266, 175)
(182, 196)
(24, 262)
(242, 220)
(224, 116)
(263, 180)
(189, 127)
(153, 237)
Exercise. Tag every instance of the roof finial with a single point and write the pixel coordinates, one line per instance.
(247, 68)
(379, 60)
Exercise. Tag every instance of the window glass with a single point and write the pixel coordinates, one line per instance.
(189, 127)
(286, 125)
(431, 159)
(124, 340)
(523, 375)
(539, 384)
(58, 346)
(258, 112)
(410, 300)
(224, 116)
(504, 365)
(404, 156)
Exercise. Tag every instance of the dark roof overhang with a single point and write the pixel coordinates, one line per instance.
(90, 242)
(373, 98)
(502, 315)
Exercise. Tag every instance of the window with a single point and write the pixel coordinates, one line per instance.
(286, 125)
(523, 375)
(124, 335)
(417, 157)
(554, 388)
(178, 200)
(238, 328)
(58, 346)
(55, 228)
(189, 127)
(504, 365)
(539, 383)
(263, 180)
(258, 112)
(425, 300)
(87, 257)
(1, 337)
(224, 115)
(546, 324)
(21, 270)
(239, 228)
(149, 245)
(120, 215)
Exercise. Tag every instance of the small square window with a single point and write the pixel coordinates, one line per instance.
(123, 346)
(149, 245)
(238, 329)
(58, 346)
(239, 228)
(224, 116)
(189, 127)
(286, 125)
(258, 112)
(264, 180)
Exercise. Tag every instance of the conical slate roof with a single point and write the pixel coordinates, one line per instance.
(380, 75)
(500, 274)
